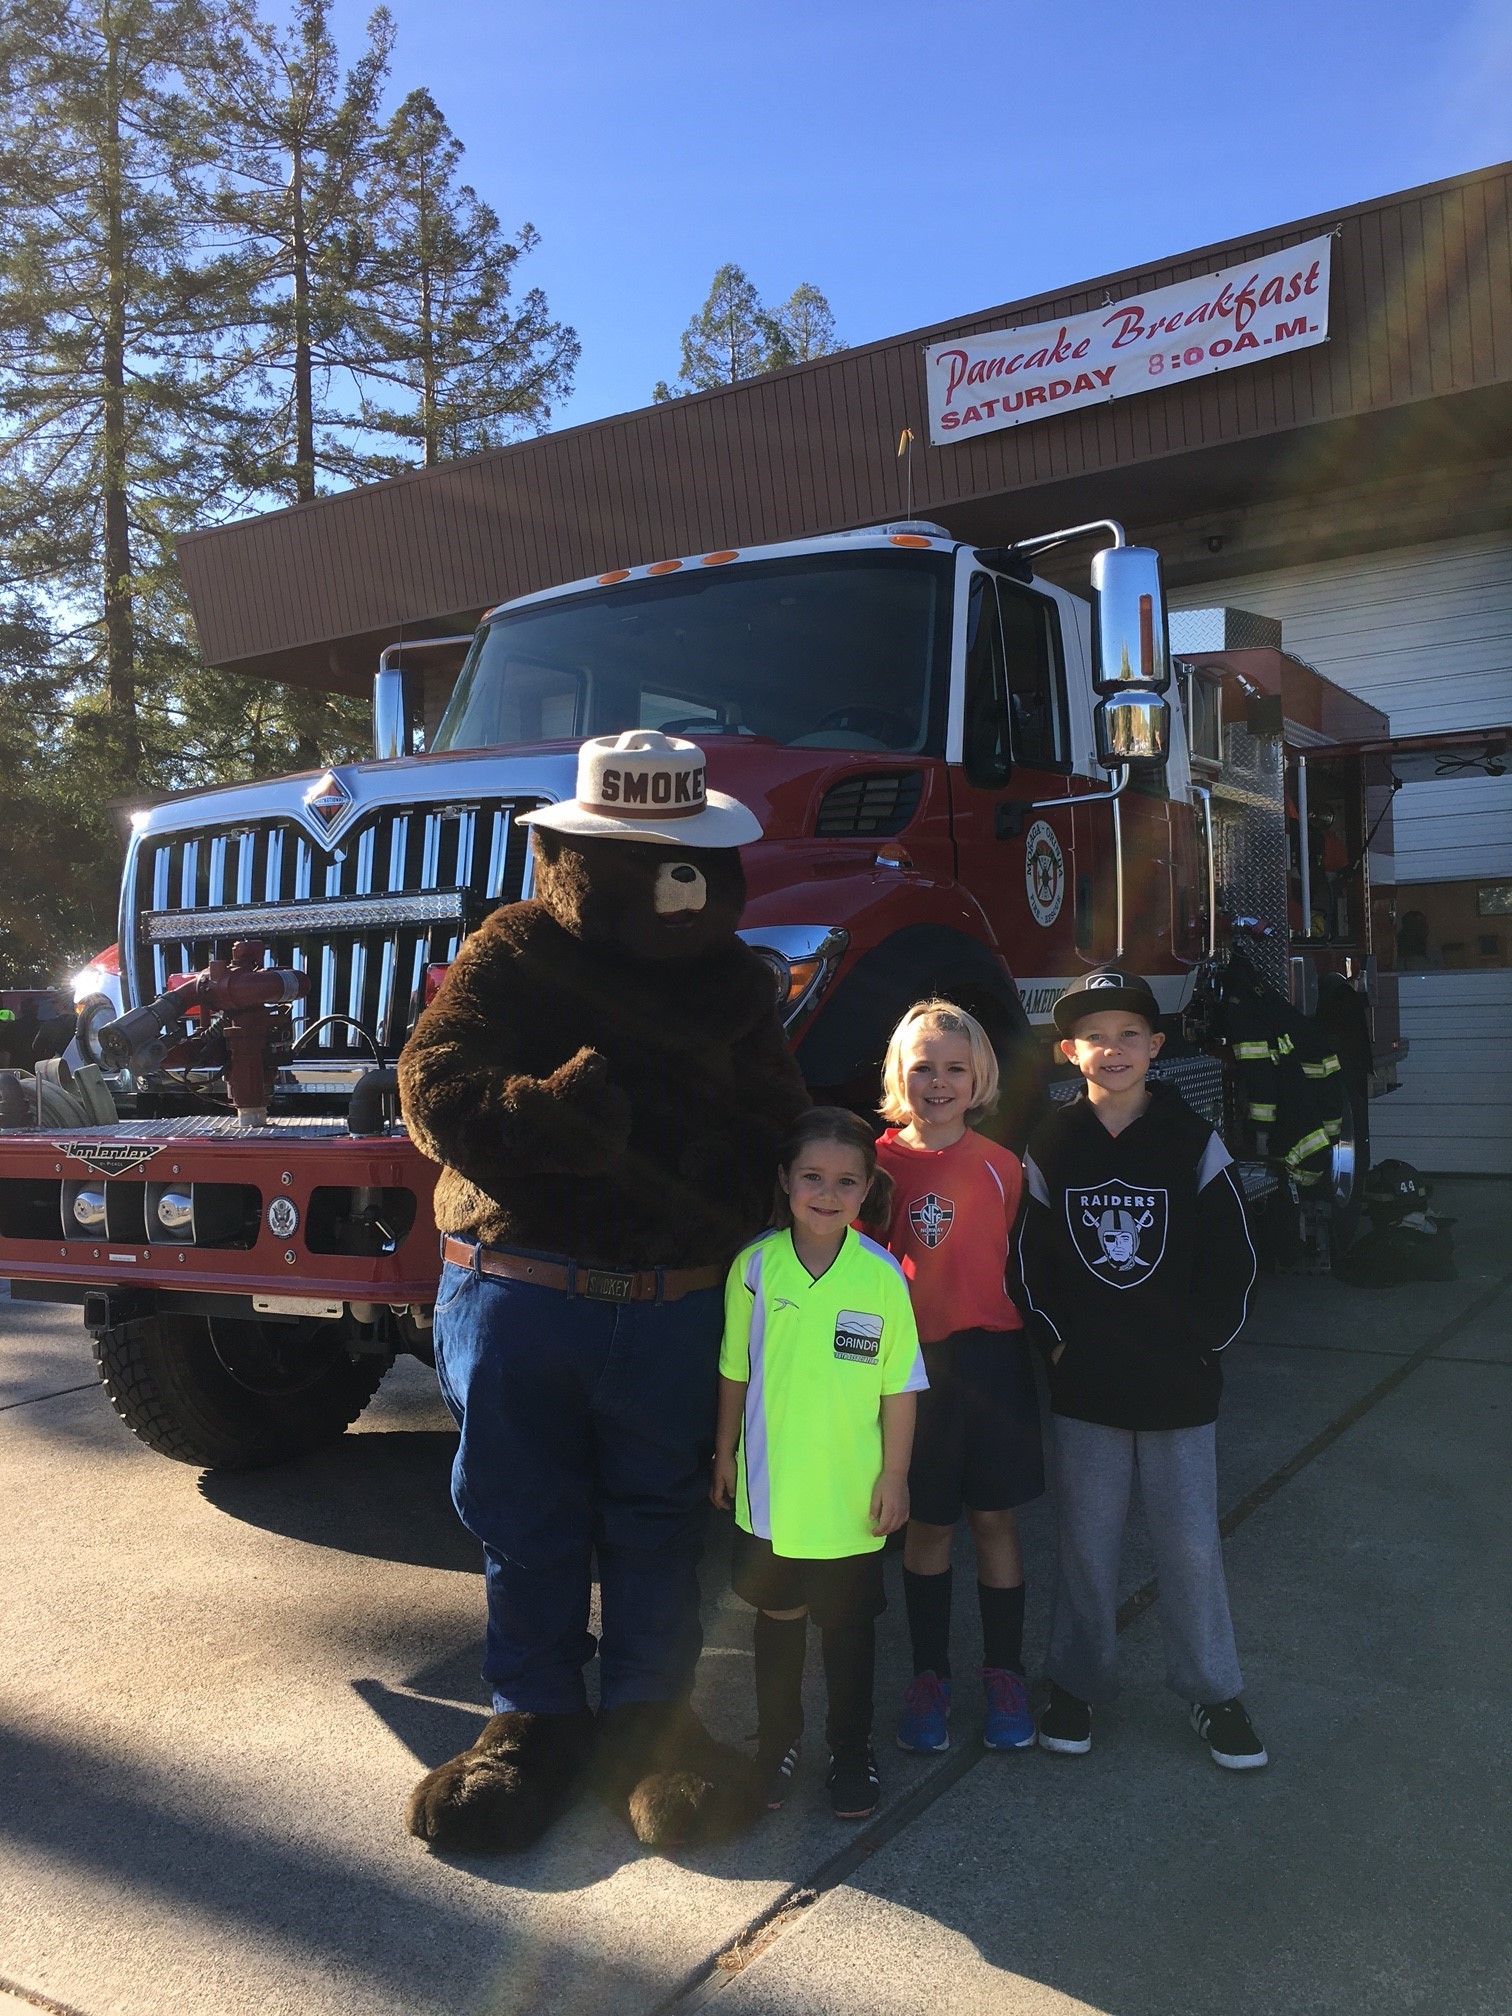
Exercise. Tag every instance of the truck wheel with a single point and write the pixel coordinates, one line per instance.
(228, 1394)
(1349, 1165)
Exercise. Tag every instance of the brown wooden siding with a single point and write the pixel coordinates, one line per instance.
(1421, 310)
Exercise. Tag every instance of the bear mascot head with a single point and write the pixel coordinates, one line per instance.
(604, 1080)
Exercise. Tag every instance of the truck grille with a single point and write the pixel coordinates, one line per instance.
(364, 920)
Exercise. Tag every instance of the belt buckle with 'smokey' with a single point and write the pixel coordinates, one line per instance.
(608, 1287)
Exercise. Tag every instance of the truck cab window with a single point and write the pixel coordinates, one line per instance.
(1035, 678)
(988, 756)
(830, 651)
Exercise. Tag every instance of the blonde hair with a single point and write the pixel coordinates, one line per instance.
(948, 1020)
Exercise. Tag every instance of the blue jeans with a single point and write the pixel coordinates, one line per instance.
(587, 1428)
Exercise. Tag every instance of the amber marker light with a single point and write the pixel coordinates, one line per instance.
(803, 973)
(619, 574)
(718, 559)
(909, 539)
(665, 567)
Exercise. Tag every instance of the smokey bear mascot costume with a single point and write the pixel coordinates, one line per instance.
(604, 1080)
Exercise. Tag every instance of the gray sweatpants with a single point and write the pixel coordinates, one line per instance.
(1178, 1481)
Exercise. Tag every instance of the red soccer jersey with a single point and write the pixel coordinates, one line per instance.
(953, 1216)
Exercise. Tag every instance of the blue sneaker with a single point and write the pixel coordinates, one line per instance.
(1010, 1721)
(926, 1705)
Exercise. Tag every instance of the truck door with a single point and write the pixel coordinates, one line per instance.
(1020, 864)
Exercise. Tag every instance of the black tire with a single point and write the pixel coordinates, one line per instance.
(227, 1395)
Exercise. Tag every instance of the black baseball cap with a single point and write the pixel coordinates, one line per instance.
(1108, 987)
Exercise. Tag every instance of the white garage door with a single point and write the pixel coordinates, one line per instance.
(1454, 1104)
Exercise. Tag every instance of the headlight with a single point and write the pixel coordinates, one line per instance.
(803, 959)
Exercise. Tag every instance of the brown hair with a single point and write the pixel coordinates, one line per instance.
(846, 1130)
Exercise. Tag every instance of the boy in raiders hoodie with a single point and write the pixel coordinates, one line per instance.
(1137, 1267)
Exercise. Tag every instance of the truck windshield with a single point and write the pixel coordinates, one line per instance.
(827, 651)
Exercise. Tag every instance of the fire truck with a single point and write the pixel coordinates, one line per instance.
(970, 781)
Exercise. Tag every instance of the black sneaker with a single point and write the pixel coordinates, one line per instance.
(774, 1772)
(855, 1784)
(1066, 1724)
(1226, 1728)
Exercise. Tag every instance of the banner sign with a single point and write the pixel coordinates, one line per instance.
(1267, 308)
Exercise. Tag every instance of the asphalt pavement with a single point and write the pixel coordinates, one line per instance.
(216, 1692)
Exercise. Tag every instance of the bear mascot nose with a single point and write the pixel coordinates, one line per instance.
(679, 886)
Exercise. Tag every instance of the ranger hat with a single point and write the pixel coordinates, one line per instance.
(644, 785)
(1108, 987)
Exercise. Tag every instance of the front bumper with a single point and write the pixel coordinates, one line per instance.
(293, 1209)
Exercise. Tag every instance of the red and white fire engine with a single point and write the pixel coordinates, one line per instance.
(970, 782)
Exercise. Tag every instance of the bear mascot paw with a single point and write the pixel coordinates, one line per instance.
(504, 1792)
(604, 1080)
(677, 1786)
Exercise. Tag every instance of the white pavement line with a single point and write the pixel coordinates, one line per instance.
(88, 1386)
(699, 1991)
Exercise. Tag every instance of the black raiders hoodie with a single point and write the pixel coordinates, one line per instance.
(1135, 1255)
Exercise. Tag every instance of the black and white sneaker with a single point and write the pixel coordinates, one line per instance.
(774, 1772)
(855, 1784)
(1066, 1724)
(1226, 1728)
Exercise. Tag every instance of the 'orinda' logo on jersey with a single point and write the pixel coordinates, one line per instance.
(1119, 1229)
(931, 1218)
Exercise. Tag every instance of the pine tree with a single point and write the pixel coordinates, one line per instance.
(109, 321)
(807, 323)
(301, 144)
(450, 364)
(733, 337)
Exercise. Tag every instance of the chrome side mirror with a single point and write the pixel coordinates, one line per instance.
(393, 734)
(1133, 731)
(1129, 644)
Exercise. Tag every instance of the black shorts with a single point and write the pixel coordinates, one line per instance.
(846, 1591)
(977, 1443)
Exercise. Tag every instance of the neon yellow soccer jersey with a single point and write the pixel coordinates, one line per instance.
(816, 1357)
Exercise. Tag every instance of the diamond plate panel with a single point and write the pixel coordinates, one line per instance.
(1249, 825)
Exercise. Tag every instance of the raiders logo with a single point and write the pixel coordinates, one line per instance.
(931, 1218)
(1119, 1229)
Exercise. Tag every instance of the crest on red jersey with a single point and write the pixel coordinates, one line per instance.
(931, 1218)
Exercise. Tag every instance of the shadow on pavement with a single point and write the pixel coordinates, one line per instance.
(386, 1494)
(429, 1946)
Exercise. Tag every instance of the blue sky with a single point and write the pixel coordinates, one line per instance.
(925, 160)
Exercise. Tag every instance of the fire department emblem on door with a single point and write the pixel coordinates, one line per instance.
(1119, 1229)
(1044, 873)
(931, 1218)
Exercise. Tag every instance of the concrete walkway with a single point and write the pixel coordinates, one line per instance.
(216, 1693)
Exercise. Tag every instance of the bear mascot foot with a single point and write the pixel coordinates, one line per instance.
(503, 1793)
(677, 1786)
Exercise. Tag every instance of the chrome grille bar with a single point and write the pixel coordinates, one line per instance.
(339, 913)
(363, 923)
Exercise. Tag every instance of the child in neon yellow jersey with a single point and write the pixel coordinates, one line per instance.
(818, 1373)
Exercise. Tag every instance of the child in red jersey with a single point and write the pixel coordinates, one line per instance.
(977, 1445)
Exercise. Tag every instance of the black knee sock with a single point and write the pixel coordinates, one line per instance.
(780, 1646)
(1002, 1626)
(927, 1598)
(850, 1652)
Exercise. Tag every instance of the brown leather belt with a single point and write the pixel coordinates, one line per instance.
(572, 1277)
